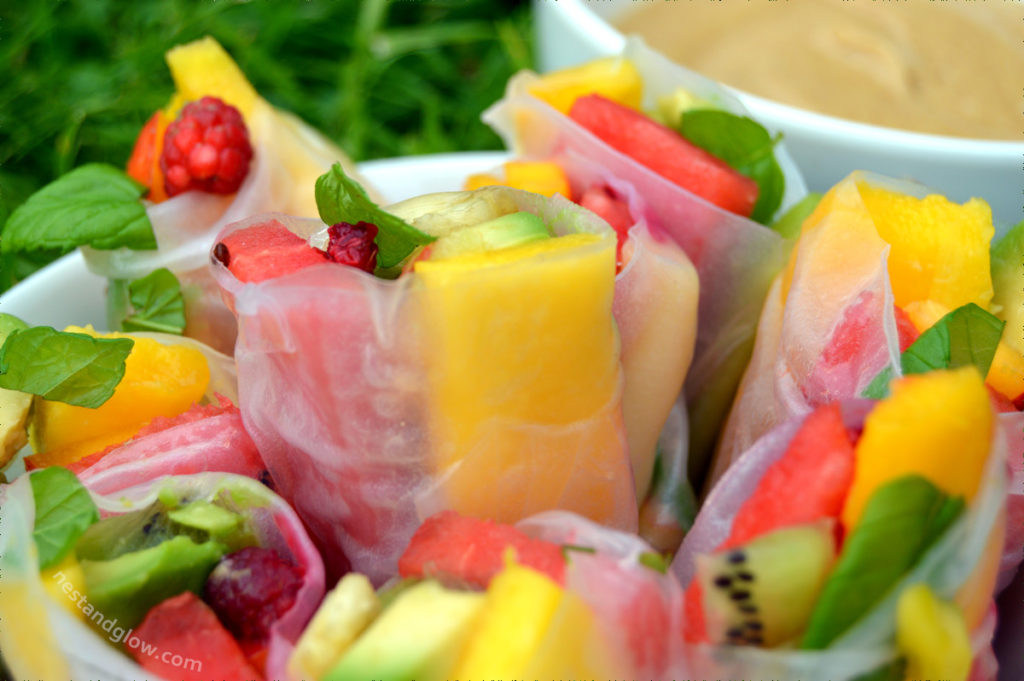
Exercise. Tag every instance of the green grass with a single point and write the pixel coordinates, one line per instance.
(382, 78)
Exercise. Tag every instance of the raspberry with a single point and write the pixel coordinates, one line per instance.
(353, 245)
(250, 590)
(206, 148)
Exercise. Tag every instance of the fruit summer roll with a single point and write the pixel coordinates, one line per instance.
(644, 141)
(885, 279)
(216, 153)
(860, 541)
(111, 406)
(554, 596)
(485, 378)
(189, 577)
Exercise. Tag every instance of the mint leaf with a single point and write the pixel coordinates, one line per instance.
(66, 367)
(95, 205)
(901, 520)
(789, 225)
(339, 198)
(158, 304)
(968, 335)
(654, 561)
(64, 510)
(746, 146)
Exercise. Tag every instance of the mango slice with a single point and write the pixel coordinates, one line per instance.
(613, 77)
(159, 380)
(932, 635)
(937, 424)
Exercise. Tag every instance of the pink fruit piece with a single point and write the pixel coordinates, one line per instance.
(206, 148)
(353, 245)
(266, 251)
(182, 639)
(602, 201)
(250, 590)
(464, 551)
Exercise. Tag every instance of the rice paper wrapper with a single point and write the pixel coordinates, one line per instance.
(50, 643)
(493, 391)
(288, 156)
(735, 257)
(828, 328)
(958, 557)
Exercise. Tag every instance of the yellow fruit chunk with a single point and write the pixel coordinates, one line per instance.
(525, 380)
(932, 636)
(940, 250)
(345, 613)
(613, 77)
(574, 647)
(539, 177)
(26, 636)
(1005, 374)
(62, 581)
(478, 180)
(159, 380)
(203, 67)
(937, 424)
(519, 605)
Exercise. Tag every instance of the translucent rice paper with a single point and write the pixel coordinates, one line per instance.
(360, 392)
(958, 558)
(735, 257)
(49, 643)
(217, 442)
(838, 275)
(288, 156)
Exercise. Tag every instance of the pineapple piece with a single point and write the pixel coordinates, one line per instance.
(203, 67)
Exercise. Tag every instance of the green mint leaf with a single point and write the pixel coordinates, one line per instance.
(654, 561)
(746, 146)
(64, 510)
(789, 225)
(158, 303)
(968, 335)
(65, 367)
(339, 198)
(901, 520)
(569, 548)
(95, 205)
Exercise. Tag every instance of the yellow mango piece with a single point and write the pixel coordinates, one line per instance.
(159, 380)
(519, 605)
(939, 249)
(525, 379)
(478, 180)
(574, 647)
(1005, 374)
(203, 67)
(613, 77)
(539, 177)
(67, 572)
(26, 637)
(932, 635)
(937, 424)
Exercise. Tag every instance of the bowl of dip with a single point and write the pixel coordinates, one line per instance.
(908, 88)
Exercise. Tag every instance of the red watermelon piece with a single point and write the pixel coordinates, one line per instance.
(666, 152)
(181, 638)
(457, 549)
(266, 251)
(809, 482)
(601, 201)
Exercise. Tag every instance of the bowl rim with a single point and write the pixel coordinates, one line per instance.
(595, 29)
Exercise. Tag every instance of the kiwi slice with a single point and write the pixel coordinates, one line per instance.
(762, 593)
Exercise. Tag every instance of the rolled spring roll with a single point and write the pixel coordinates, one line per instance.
(488, 383)
(735, 257)
(62, 638)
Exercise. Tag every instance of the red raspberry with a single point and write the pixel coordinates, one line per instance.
(250, 590)
(353, 245)
(206, 148)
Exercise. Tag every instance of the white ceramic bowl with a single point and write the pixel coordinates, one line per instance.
(827, 149)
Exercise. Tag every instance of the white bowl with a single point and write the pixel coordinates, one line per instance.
(826, 148)
(65, 292)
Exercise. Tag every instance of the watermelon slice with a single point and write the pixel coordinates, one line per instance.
(602, 200)
(809, 482)
(460, 550)
(181, 638)
(266, 251)
(666, 152)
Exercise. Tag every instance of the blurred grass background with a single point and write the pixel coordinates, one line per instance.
(382, 78)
